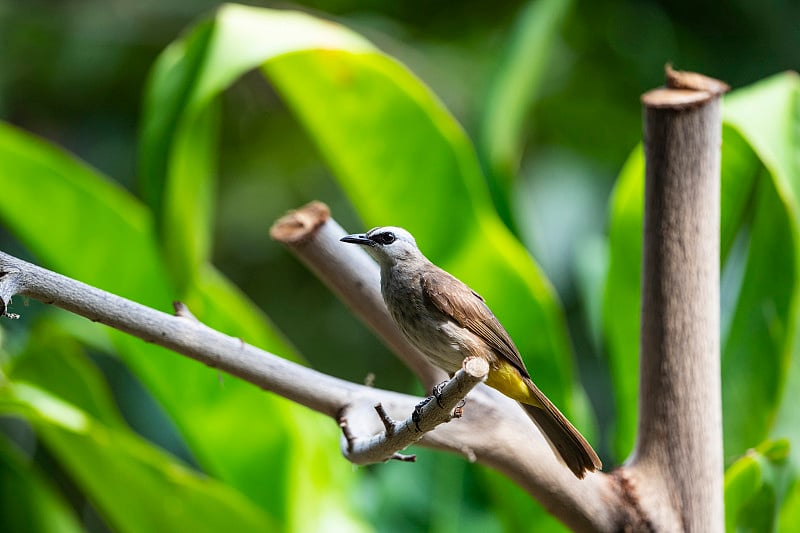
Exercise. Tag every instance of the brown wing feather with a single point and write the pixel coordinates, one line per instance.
(467, 308)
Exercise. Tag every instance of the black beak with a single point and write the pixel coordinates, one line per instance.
(358, 238)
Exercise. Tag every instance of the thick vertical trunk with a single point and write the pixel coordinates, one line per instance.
(679, 443)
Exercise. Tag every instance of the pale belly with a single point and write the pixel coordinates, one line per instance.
(444, 342)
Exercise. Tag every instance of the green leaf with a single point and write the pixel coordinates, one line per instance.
(27, 500)
(621, 303)
(55, 362)
(347, 95)
(176, 70)
(755, 486)
(757, 348)
(513, 88)
(416, 168)
(789, 515)
(77, 222)
(178, 155)
(742, 483)
(133, 485)
(761, 355)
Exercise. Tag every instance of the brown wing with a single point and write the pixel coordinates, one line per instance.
(466, 307)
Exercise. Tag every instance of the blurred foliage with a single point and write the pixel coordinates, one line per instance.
(98, 430)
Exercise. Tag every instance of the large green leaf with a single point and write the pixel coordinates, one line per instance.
(622, 302)
(77, 222)
(415, 167)
(349, 95)
(134, 486)
(178, 147)
(54, 386)
(762, 321)
(83, 226)
(768, 115)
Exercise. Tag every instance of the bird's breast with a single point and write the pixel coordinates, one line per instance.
(433, 333)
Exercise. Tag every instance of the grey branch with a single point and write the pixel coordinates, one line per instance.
(493, 429)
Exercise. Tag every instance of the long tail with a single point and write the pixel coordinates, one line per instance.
(562, 436)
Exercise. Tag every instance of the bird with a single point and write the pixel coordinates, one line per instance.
(448, 322)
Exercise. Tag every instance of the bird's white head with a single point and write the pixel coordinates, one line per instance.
(387, 244)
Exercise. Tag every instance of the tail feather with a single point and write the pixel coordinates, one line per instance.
(564, 439)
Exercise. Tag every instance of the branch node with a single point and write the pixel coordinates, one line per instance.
(369, 380)
(469, 454)
(405, 458)
(181, 310)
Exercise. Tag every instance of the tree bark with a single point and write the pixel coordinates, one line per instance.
(678, 450)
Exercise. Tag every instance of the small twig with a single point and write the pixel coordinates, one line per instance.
(348, 434)
(182, 311)
(399, 435)
(388, 423)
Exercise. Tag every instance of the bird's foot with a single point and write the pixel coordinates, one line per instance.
(458, 411)
(437, 392)
(417, 414)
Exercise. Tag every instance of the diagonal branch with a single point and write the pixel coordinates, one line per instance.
(493, 429)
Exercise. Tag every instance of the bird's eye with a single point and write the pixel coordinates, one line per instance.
(386, 238)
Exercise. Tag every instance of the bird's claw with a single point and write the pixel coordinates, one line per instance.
(437, 392)
(417, 414)
(458, 411)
